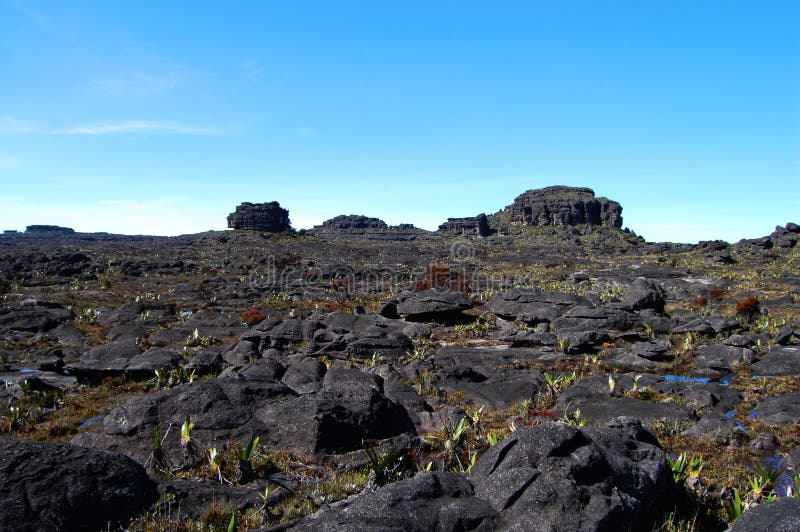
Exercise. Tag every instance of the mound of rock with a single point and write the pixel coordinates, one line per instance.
(53, 486)
(348, 409)
(471, 226)
(48, 230)
(560, 205)
(268, 217)
(558, 477)
(349, 222)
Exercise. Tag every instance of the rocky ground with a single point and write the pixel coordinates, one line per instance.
(544, 378)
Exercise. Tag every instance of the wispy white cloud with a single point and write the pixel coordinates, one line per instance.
(135, 83)
(252, 67)
(138, 126)
(12, 126)
(305, 131)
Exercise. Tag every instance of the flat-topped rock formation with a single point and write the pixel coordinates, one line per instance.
(268, 217)
(48, 230)
(470, 226)
(348, 222)
(560, 205)
(360, 226)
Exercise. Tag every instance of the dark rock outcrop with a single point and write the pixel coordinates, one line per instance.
(54, 486)
(348, 409)
(782, 515)
(560, 205)
(432, 305)
(268, 217)
(429, 501)
(558, 477)
(533, 306)
(349, 222)
(471, 226)
(48, 230)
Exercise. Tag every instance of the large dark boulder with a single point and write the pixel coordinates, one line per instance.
(429, 501)
(558, 477)
(781, 360)
(782, 515)
(560, 205)
(645, 294)
(533, 306)
(432, 305)
(779, 408)
(33, 316)
(54, 486)
(123, 358)
(348, 409)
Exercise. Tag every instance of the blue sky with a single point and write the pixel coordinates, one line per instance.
(161, 117)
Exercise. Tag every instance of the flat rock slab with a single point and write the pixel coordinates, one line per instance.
(123, 357)
(781, 360)
(558, 477)
(593, 396)
(429, 501)
(55, 486)
(532, 306)
(432, 305)
(779, 408)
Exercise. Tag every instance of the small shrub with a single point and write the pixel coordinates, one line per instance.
(748, 308)
(252, 317)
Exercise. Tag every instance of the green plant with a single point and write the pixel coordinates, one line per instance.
(573, 417)
(388, 467)
(735, 507)
(158, 461)
(245, 456)
(563, 344)
(191, 451)
(612, 383)
(215, 464)
(232, 522)
(375, 360)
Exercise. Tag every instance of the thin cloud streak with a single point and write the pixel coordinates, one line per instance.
(138, 126)
(13, 126)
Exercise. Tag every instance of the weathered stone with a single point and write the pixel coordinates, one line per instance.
(432, 305)
(533, 306)
(781, 360)
(48, 230)
(779, 408)
(347, 410)
(558, 477)
(55, 486)
(645, 294)
(352, 222)
(720, 357)
(429, 501)
(561, 205)
(471, 226)
(268, 217)
(782, 515)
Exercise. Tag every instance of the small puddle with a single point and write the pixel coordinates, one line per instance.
(739, 425)
(91, 421)
(681, 378)
(785, 480)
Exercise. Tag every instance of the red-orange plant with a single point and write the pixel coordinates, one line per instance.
(748, 308)
(252, 317)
